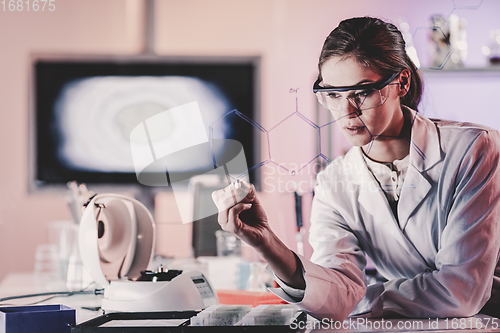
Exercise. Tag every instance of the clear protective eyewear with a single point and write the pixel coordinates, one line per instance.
(362, 97)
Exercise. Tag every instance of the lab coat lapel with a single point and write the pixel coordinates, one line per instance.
(425, 152)
(371, 196)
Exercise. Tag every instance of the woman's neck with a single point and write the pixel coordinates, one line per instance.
(389, 149)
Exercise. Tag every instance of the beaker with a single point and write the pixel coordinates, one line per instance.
(227, 244)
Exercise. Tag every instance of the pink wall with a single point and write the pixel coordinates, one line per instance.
(287, 34)
(74, 27)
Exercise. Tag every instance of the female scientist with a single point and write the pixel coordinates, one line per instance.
(420, 197)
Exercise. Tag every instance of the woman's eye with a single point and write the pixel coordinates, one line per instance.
(362, 94)
(333, 95)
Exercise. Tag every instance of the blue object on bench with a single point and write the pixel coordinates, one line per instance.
(37, 319)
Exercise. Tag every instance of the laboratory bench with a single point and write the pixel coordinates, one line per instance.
(87, 311)
(15, 284)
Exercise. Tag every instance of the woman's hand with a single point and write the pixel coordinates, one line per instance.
(241, 213)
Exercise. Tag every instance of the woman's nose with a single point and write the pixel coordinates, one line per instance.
(349, 110)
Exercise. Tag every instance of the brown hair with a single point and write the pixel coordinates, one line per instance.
(377, 45)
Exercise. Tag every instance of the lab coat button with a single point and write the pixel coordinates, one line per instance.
(428, 270)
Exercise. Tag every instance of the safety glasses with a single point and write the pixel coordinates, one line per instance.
(361, 97)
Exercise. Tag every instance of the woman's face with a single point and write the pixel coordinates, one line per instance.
(361, 127)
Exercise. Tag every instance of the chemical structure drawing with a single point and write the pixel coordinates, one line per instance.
(445, 49)
(287, 129)
(467, 4)
(249, 127)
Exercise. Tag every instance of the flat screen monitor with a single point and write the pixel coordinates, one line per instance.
(85, 108)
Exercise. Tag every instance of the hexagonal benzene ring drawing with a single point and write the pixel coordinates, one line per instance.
(232, 125)
(452, 53)
(442, 49)
(467, 4)
(290, 130)
(325, 140)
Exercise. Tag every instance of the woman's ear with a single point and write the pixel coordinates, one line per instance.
(404, 82)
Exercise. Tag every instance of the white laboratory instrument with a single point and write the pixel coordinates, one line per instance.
(116, 239)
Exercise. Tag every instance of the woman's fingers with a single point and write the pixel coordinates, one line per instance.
(231, 202)
(232, 223)
(230, 196)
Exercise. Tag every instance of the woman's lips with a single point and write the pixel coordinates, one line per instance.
(353, 130)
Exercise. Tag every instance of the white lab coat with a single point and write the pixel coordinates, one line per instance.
(441, 259)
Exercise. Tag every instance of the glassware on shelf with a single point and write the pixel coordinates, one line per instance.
(448, 42)
(227, 244)
(492, 51)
